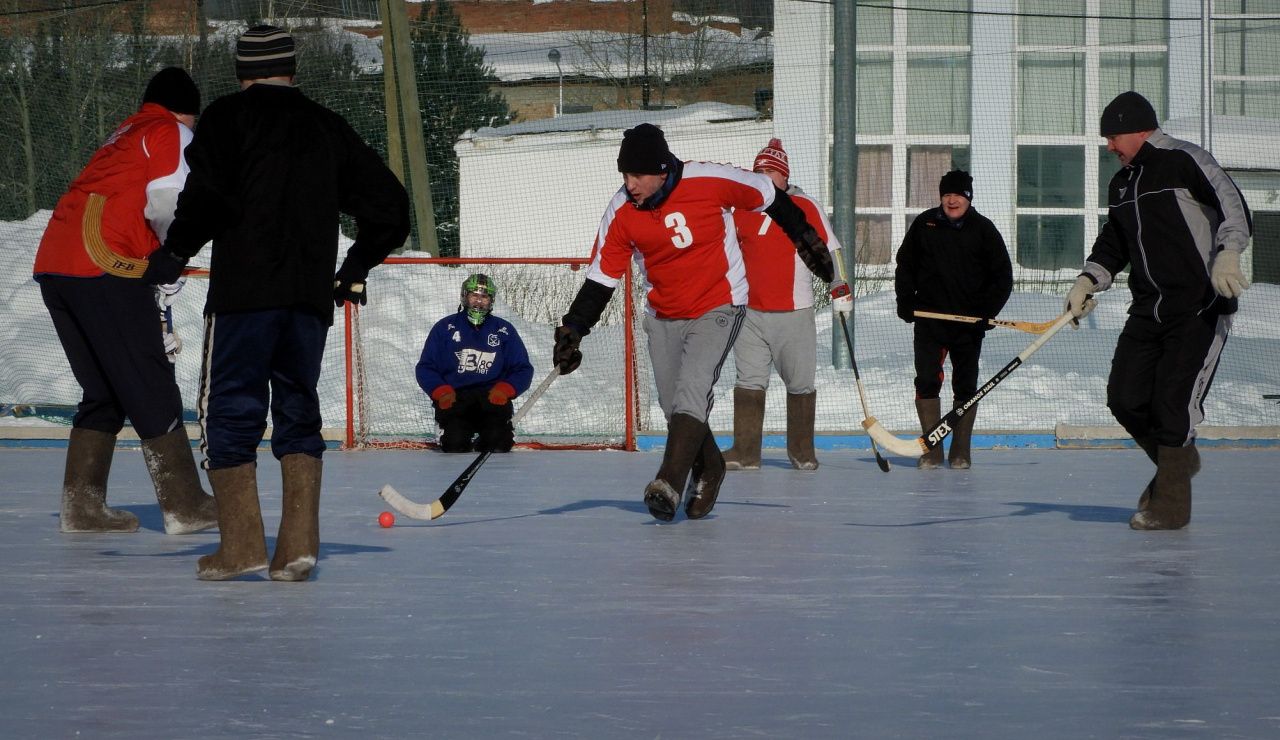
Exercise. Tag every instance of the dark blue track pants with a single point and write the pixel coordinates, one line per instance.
(251, 359)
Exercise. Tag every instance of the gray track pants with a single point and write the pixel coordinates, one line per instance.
(687, 355)
(787, 340)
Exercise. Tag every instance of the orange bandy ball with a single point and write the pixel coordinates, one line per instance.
(386, 519)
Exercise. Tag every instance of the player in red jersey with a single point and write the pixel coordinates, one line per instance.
(779, 329)
(89, 266)
(675, 220)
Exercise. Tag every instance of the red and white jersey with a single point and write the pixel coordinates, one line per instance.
(686, 248)
(778, 278)
(139, 171)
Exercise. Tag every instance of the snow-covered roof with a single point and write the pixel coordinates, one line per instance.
(517, 57)
(696, 113)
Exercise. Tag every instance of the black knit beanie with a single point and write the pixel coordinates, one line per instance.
(644, 151)
(1128, 113)
(957, 181)
(265, 51)
(173, 88)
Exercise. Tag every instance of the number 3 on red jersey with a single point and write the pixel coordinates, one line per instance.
(676, 222)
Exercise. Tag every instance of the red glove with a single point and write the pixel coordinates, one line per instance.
(501, 392)
(444, 396)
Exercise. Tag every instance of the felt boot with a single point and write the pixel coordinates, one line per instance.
(930, 412)
(84, 486)
(748, 428)
(1152, 449)
(298, 541)
(685, 436)
(185, 505)
(705, 480)
(959, 456)
(800, 412)
(243, 548)
(1169, 506)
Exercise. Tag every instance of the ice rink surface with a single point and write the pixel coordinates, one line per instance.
(1007, 601)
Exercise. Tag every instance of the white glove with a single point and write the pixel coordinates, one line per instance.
(1226, 276)
(172, 342)
(841, 297)
(167, 294)
(1080, 293)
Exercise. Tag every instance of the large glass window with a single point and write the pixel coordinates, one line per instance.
(1051, 93)
(1146, 73)
(875, 94)
(925, 167)
(1050, 242)
(1145, 23)
(1249, 47)
(1051, 22)
(1050, 177)
(937, 23)
(873, 238)
(875, 177)
(1254, 98)
(938, 94)
(874, 22)
(1266, 247)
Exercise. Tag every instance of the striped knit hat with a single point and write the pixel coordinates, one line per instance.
(265, 51)
(773, 157)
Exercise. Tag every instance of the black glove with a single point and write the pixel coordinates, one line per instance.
(906, 313)
(815, 255)
(163, 267)
(566, 354)
(348, 286)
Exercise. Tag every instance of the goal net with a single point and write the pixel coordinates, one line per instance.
(592, 407)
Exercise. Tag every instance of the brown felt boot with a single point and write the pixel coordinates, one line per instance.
(748, 427)
(243, 548)
(959, 456)
(84, 486)
(930, 412)
(1169, 506)
(705, 479)
(800, 412)
(185, 505)
(1152, 449)
(685, 436)
(298, 541)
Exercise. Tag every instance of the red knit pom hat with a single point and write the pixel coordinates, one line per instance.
(773, 157)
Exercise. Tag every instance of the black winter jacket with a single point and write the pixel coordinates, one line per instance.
(1168, 212)
(948, 269)
(270, 172)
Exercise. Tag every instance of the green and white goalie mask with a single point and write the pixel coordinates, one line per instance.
(478, 294)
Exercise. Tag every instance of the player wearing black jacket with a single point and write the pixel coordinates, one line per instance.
(1179, 223)
(952, 260)
(270, 172)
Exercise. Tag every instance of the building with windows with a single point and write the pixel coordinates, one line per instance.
(1012, 91)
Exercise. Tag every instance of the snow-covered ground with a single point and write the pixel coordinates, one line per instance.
(1063, 383)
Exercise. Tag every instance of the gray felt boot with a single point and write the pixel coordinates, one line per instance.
(748, 428)
(298, 541)
(930, 412)
(185, 505)
(84, 486)
(244, 544)
(801, 408)
(1169, 506)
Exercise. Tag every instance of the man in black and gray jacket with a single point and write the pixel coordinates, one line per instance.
(1179, 223)
(270, 172)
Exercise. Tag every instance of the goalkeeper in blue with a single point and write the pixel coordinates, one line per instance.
(472, 365)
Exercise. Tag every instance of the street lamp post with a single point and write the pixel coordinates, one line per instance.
(554, 56)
